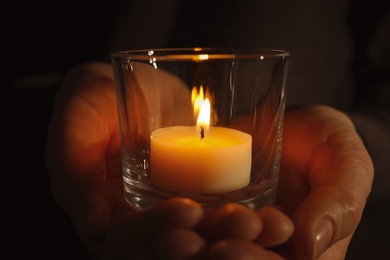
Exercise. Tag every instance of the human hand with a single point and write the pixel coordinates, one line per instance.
(83, 160)
(326, 175)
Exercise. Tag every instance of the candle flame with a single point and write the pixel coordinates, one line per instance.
(203, 122)
(202, 100)
(197, 99)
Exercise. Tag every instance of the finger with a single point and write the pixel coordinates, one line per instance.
(338, 250)
(277, 227)
(239, 249)
(178, 244)
(333, 209)
(325, 158)
(323, 220)
(136, 230)
(80, 139)
(230, 221)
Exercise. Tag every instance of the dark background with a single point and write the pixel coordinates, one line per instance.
(50, 36)
(42, 40)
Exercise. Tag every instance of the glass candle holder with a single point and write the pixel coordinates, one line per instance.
(200, 123)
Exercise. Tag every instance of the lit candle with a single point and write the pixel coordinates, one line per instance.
(200, 159)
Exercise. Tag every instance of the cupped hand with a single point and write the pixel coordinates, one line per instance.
(83, 160)
(325, 179)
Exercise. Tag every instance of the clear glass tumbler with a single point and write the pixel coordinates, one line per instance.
(201, 123)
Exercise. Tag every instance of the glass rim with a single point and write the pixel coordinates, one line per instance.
(199, 54)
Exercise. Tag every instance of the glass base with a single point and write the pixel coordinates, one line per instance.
(142, 197)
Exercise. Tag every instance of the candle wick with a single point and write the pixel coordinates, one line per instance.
(201, 132)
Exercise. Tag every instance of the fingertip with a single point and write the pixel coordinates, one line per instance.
(243, 222)
(277, 227)
(323, 237)
(177, 212)
(315, 239)
(233, 221)
(321, 221)
(178, 244)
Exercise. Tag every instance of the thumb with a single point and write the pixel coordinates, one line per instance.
(322, 220)
(339, 186)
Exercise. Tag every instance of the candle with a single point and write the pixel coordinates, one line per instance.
(200, 159)
(183, 162)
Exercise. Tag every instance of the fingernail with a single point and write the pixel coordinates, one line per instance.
(323, 237)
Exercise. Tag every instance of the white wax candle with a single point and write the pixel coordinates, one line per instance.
(183, 162)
